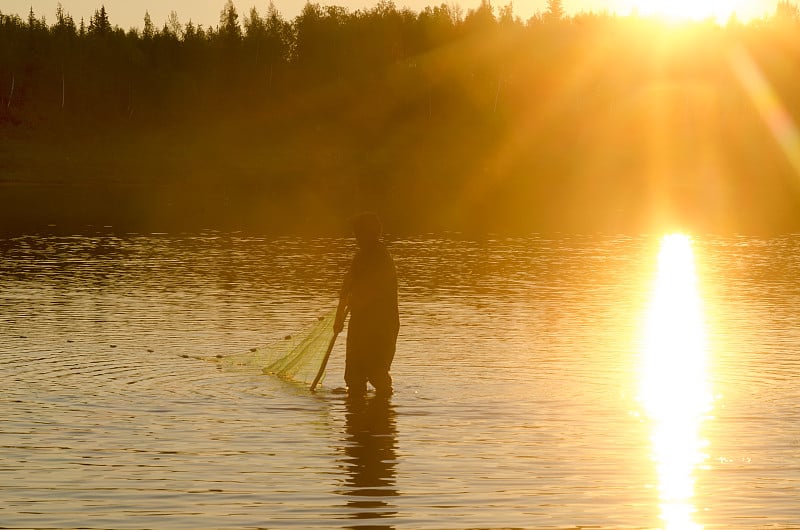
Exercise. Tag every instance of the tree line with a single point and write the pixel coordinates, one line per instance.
(448, 112)
(96, 67)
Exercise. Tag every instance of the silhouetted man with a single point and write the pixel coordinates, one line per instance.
(369, 294)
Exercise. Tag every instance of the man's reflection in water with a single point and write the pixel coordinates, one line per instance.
(370, 459)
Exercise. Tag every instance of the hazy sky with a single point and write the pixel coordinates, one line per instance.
(129, 13)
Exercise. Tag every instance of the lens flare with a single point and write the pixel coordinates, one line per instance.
(674, 390)
(768, 104)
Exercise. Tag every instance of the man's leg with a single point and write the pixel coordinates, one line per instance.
(382, 382)
(355, 379)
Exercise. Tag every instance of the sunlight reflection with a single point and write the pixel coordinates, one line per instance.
(674, 389)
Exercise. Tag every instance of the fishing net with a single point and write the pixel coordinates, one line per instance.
(297, 357)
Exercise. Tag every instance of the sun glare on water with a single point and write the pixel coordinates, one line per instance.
(674, 389)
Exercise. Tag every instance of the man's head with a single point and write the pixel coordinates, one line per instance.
(367, 228)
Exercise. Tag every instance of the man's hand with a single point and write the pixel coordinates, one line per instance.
(341, 310)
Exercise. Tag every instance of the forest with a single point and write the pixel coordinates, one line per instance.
(439, 120)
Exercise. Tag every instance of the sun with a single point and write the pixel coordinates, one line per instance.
(694, 10)
(682, 10)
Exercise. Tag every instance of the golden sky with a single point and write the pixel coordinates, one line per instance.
(129, 13)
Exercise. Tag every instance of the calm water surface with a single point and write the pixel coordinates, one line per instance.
(518, 388)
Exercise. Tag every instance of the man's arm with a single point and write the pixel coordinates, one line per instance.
(344, 304)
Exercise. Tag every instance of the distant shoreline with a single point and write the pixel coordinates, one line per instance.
(439, 120)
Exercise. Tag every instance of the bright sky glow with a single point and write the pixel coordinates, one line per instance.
(674, 388)
(129, 13)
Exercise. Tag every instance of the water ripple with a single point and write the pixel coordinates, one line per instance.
(515, 378)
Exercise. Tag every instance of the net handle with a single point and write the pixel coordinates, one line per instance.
(324, 362)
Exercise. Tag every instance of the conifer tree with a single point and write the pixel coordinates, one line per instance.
(99, 23)
(555, 10)
(229, 28)
(149, 31)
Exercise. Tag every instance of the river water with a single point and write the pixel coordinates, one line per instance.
(518, 387)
